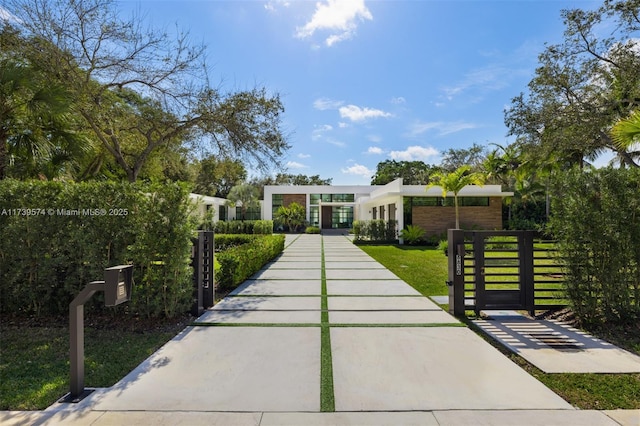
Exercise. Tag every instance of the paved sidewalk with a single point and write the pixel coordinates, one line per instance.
(325, 328)
(555, 347)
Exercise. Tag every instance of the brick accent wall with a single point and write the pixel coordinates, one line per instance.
(436, 220)
(297, 198)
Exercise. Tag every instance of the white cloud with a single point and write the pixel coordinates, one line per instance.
(338, 17)
(374, 150)
(399, 100)
(304, 156)
(326, 103)
(489, 78)
(318, 131)
(358, 170)
(295, 165)
(336, 142)
(343, 125)
(442, 127)
(273, 5)
(355, 113)
(415, 153)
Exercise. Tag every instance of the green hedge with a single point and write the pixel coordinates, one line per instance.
(244, 227)
(377, 230)
(56, 237)
(240, 261)
(596, 219)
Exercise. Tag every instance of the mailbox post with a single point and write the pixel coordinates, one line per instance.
(117, 289)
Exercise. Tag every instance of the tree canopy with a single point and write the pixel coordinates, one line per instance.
(411, 172)
(139, 91)
(582, 87)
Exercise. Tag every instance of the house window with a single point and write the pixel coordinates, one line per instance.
(252, 213)
(314, 216)
(474, 201)
(449, 201)
(222, 212)
(277, 201)
(374, 212)
(315, 199)
(342, 217)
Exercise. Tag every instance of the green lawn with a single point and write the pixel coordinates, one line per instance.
(424, 268)
(34, 362)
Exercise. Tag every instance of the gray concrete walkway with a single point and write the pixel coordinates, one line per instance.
(325, 328)
(555, 347)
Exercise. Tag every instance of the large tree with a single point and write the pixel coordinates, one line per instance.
(454, 158)
(411, 172)
(139, 90)
(216, 177)
(582, 86)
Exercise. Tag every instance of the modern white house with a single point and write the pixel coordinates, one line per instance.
(222, 210)
(336, 207)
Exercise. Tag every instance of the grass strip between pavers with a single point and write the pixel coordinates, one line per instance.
(327, 397)
(294, 240)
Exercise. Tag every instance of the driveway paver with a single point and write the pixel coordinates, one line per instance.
(268, 372)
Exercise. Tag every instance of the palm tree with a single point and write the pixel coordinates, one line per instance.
(454, 182)
(626, 133)
(35, 128)
(245, 195)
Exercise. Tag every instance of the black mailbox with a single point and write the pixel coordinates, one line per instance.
(117, 289)
(117, 284)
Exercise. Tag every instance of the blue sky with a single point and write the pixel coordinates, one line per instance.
(366, 81)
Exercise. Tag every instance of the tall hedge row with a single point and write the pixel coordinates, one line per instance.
(56, 237)
(375, 230)
(596, 219)
(244, 227)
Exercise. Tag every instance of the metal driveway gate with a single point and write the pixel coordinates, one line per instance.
(490, 270)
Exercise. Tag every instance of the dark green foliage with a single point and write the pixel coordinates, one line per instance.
(412, 234)
(161, 252)
(239, 261)
(244, 227)
(263, 227)
(411, 172)
(596, 219)
(375, 230)
(292, 217)
(73, 231)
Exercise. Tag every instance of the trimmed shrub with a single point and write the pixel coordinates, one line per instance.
(443, 246)
(264, 227)
(244, 227)
(239, 262)
(312, 230)
(57, 237)
(375, 230)
(596, 219)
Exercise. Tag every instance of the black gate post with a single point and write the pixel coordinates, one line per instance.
(456, 271)
(479, 277)
(527, 280)
(203, 272)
